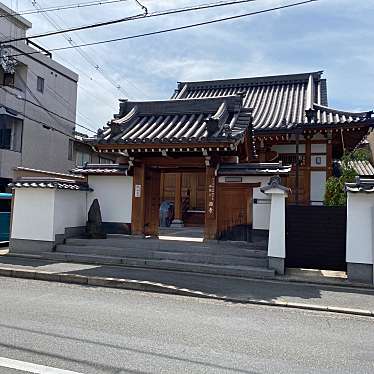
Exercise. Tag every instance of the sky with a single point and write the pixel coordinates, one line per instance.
(336, 36)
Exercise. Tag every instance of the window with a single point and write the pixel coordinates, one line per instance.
(82, 158)
(10, 133)
(8, 79)
(40, 84)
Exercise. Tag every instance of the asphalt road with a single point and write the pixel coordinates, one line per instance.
(100, 330)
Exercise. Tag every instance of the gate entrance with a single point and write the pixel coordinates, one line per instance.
(316, 237)
(235, 212)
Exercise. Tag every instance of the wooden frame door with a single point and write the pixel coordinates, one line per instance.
(235, 211)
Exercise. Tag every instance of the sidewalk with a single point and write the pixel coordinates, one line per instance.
(269, 292)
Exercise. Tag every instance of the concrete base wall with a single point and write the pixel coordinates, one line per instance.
(360, 272)
(117, 228)
(277, 264)
(70, 232)
(32, 247)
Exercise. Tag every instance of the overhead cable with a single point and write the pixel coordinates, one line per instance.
(132, 18)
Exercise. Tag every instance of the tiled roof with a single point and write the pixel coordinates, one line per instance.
(99, 169)
(360, 185)
(362, 168)
(179, 121)
(52, 183)
(278, 102)
(253, 169)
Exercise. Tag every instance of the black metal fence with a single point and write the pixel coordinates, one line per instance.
(316, 237)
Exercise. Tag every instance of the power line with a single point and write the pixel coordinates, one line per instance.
(83, 54)
(193, 25)
(132, 18)
(47, 110)
(62, 7)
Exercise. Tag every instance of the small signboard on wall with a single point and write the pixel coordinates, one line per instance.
(138, 190)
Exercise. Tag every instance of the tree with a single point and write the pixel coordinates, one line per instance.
(335, 194)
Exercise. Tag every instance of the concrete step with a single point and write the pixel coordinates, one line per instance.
(257, 258)
(238, 271)
(136, 251)
(214, 247)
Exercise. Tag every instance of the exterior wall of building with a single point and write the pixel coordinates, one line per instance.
(115, 197)
(43, 217)
(33, 214)
(360, 234)
(315, 167)
(48, 117)
(70, 211)
(8, 160)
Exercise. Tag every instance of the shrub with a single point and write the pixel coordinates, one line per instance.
(335, 194)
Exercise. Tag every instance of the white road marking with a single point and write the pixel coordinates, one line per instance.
(32, 368)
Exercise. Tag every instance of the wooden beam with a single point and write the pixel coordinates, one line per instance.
(138, 201)
(329, 158)
(308, 159)
(178, 197)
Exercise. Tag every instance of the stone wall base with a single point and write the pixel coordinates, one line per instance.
(360, 272)
(30, 247)
(277, 264)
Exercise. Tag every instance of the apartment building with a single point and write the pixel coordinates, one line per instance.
(38, 98)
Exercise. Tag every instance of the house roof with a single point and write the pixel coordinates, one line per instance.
(221, 119)
(360, 185)
(102, 169)
(362, 168)
(253, 169)
(278, 102)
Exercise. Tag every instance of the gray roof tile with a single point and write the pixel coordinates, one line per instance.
(179, 121)
(278, 102)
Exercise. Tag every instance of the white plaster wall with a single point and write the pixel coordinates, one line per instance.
(33, 214)
(360, 228)
(115, 197)
(261, 210)
(70, 210)
(314, 161)
(317, 186)
(277, 231)
(318, 148)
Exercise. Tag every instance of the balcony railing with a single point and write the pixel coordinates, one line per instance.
(291, 159)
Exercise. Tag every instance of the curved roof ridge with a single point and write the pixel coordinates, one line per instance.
(270, 78)
(338, 111)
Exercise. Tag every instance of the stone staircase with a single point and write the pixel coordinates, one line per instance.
(240, 259)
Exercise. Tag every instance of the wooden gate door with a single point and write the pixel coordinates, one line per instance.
(152, 202)
(234, 212)
(316, 237)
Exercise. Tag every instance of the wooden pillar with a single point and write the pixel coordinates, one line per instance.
(152, 202)
(138, 201)
(210, 232)
(178, 221)
(329, 159)
(307, 177)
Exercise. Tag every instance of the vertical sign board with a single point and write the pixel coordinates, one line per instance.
(138, 190)
(211, 197)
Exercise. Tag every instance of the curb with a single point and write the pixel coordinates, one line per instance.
(146, 286)
(277, 279)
